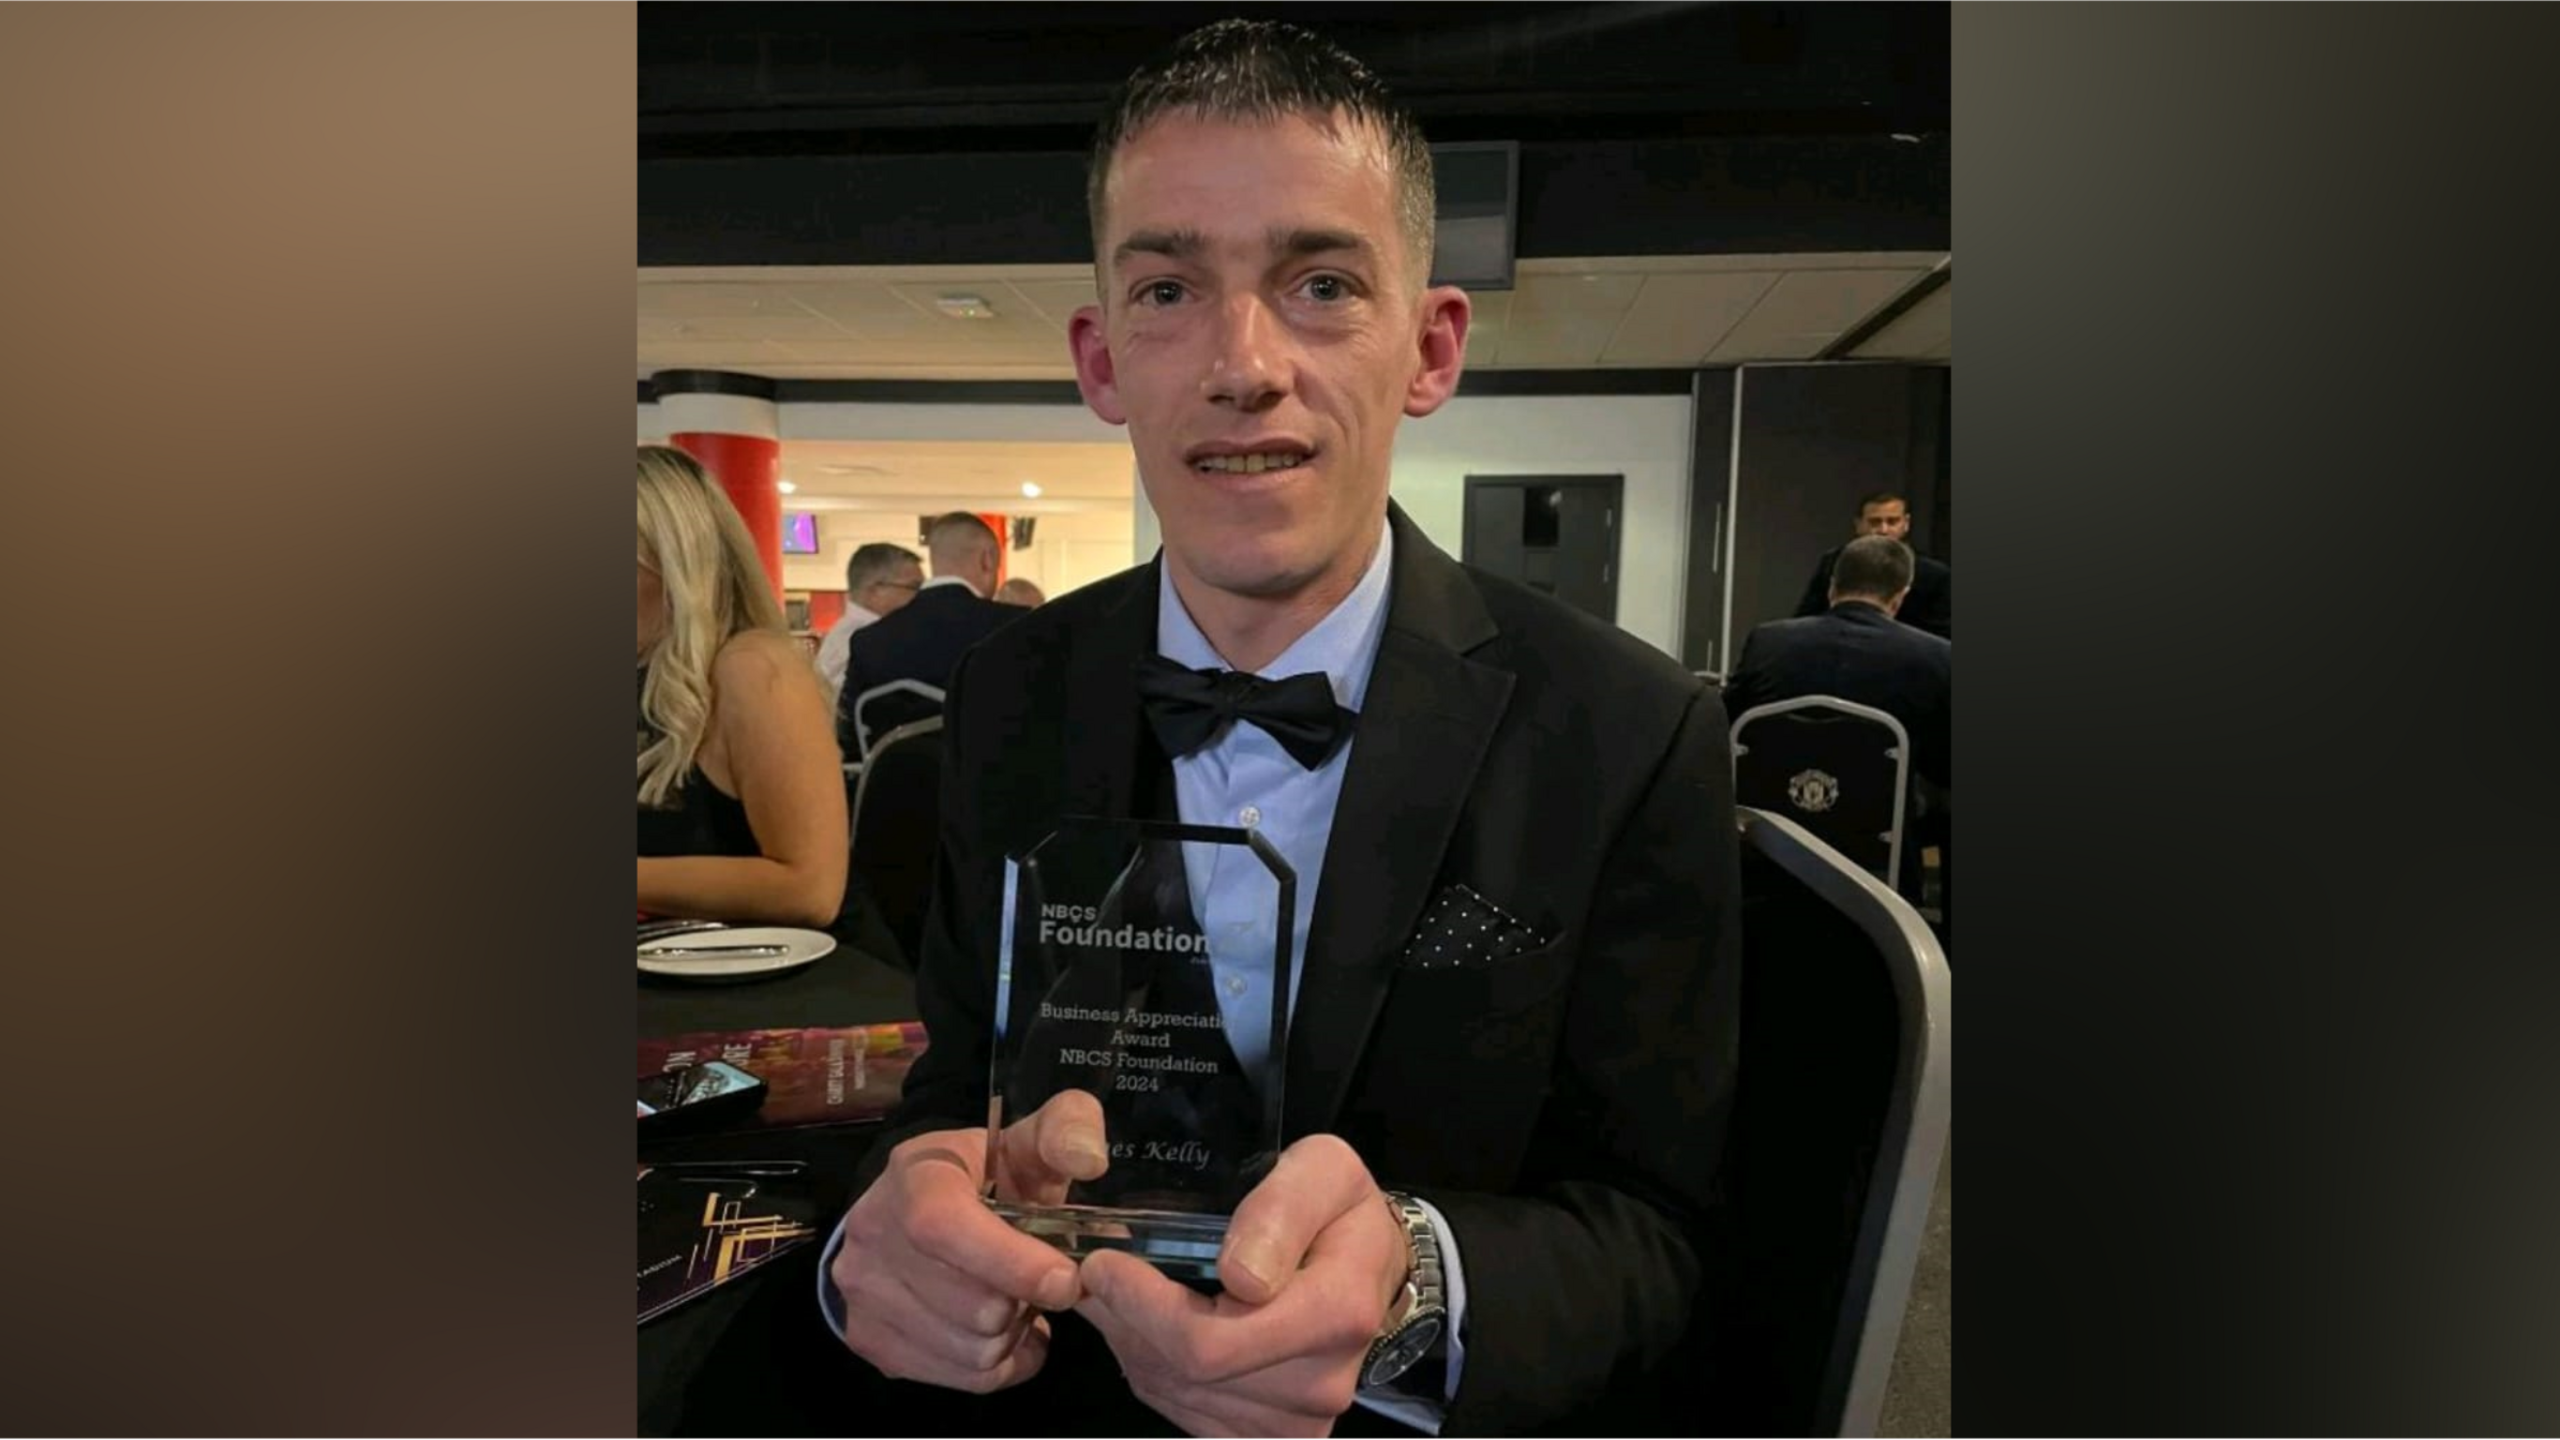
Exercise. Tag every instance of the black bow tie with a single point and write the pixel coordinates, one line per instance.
(1188, 708)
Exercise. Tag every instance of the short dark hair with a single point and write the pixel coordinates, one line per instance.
(1881, 497)
(1872, 567)
(1262, 71)
(873, 563)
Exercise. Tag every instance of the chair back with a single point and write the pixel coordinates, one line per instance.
(897, 811)
(884, 708)
(1840, 1118)
(1839, 769)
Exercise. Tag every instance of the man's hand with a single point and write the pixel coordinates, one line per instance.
(935, 1287)
(1312, 1261)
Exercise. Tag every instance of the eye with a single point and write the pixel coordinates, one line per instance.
(1328, 288)
(1160, 292)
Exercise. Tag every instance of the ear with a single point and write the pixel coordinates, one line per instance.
(1446, 312)
(1095, 374)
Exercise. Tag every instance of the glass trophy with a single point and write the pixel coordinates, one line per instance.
(1105, 983)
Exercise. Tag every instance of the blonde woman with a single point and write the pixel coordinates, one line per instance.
(742, 812)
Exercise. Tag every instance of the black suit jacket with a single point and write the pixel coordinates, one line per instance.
(1857, 653)
(920, 640)
(1929, 606)
(1564, 1108)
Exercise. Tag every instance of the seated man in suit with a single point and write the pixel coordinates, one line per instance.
(1494, 1208)
(926, 637)
(1858, 651)
(1931, 604)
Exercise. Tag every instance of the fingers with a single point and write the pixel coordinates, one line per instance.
(922, 1356)
(1221, 1367)
(936, 1288)
(945, 1220)
(1054, 1146)
(1316, 1182)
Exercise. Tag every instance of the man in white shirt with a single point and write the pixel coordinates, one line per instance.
(878, 579)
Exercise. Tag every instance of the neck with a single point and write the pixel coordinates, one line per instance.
(1251, 631)
(1869, 601)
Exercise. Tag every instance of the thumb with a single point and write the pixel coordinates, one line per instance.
(1055, 1145)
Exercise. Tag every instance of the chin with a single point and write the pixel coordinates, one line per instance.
(1252, 569)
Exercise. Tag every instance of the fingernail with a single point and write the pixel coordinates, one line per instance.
(1087, 1153)
(1058, 1292)
(1254, 1260)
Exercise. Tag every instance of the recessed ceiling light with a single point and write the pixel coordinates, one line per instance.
(787, 488)
(964, 307)
(1030, 491)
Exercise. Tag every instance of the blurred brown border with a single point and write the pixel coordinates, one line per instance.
(317, 359)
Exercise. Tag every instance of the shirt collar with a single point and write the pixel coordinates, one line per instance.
(1343, 646)
(959, 580)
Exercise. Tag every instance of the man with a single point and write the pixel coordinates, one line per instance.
(1551, 1121)
(926, 638)
(879, 578)
(1930, 607)
(1856, 650)
(1018, 591)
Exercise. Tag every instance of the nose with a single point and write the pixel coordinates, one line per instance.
(1246, 367)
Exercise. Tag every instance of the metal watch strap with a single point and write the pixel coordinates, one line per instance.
(1425, 1240)
(1424, 1296)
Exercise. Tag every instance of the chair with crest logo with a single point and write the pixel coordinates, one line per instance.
(1839, 769)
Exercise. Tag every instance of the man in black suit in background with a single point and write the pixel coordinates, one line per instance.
(924, 639)
(1449, 760)
(1858, 650)
(1931, 605)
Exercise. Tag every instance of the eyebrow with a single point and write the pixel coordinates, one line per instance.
(1289, 243)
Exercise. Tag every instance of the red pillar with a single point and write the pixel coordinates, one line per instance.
(730, 423)
(1004, 543)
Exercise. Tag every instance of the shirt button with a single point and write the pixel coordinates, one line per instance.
(1249, 816)
(1235, 985)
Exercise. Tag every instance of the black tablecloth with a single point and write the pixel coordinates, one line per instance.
(845, 988)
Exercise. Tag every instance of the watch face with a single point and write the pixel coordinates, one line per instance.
(1405, 1350)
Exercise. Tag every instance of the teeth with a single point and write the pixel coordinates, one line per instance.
(1253, 464)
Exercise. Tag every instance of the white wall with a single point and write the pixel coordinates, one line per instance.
(1642, 437)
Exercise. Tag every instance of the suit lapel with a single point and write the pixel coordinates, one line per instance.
(1098, 735)
(1429, 716)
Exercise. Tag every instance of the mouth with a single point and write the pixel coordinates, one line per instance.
(1277, 458)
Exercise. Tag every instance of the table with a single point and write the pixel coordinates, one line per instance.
(845, 988)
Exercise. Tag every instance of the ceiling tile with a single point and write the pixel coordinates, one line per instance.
(716, 302)
(1926, 331)
(1565, 319)
(1057, 300)
(1811, 302)
(1679, 319)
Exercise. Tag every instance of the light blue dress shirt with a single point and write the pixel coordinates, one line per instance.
(1244, 779)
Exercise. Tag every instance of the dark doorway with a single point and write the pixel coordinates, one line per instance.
(1556, 534)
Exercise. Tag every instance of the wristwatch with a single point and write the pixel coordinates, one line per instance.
(1415, 1326)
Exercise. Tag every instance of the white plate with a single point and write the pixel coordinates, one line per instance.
(799, 947)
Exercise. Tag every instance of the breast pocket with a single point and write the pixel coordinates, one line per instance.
(1492, 988)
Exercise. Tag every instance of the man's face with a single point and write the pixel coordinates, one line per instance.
(1262, 334)
(1891, 519)
(880, 597)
